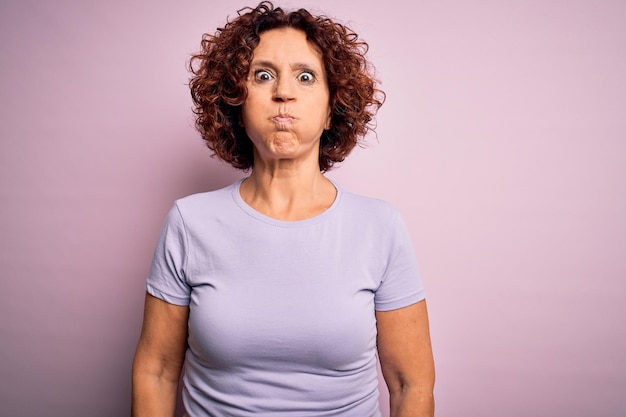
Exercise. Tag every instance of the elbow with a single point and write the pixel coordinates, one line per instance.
(421, 384)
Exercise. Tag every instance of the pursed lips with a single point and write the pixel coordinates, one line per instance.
(283, 118)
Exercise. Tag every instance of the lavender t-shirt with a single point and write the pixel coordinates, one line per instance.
(282, 316)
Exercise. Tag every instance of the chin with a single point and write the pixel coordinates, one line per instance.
(287, 144)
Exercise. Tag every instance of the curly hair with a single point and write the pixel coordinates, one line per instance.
(220, 69)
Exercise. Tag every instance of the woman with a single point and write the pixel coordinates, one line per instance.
(279, 293)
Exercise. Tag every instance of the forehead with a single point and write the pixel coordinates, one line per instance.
(286, 44)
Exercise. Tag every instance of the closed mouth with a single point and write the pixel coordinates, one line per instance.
(283, 119)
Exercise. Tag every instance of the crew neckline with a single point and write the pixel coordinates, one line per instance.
(284, 223)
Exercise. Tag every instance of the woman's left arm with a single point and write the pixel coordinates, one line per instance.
(406, 360)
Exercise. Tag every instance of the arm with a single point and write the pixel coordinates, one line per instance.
(159, 358)
(406, 360)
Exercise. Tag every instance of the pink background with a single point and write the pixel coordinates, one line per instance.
(503, 142)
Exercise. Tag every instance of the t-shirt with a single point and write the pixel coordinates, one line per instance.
(282, 313)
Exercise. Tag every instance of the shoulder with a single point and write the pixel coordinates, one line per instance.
(373, 217)
(370, 207)
(206, 202)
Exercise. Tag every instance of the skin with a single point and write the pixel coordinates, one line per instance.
(406, 360)
(159, 358)
(285, 113)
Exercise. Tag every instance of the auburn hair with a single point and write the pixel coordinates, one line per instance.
(220, 69)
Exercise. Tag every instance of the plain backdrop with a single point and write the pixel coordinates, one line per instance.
(502, 142)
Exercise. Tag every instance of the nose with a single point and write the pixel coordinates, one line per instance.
(284, 89)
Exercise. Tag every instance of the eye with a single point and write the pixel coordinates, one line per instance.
(306, 77)
(262, 75)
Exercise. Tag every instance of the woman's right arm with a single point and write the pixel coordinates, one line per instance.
(159, 358)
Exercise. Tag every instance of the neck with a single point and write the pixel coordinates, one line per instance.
(287, 192)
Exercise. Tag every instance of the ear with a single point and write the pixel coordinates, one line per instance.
(329, 120)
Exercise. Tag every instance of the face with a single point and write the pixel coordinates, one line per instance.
(287, 107)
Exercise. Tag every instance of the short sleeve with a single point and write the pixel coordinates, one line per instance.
(167, 279)
(401, 284)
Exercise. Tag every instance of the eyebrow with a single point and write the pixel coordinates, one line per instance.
(297, 65)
